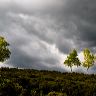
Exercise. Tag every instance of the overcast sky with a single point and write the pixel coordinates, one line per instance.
(41, 33)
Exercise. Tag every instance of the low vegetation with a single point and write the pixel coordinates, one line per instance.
(27, 82)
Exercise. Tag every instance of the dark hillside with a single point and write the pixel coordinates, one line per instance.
(27, 82)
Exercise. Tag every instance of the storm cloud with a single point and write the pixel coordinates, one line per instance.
(42, 32)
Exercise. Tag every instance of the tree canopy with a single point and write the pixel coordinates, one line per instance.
(4, 50)
(89, 58)
(72, 59)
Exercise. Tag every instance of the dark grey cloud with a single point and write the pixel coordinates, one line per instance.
(83, 15)
(42, 35)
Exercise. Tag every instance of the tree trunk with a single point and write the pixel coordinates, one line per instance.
(71, 69)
